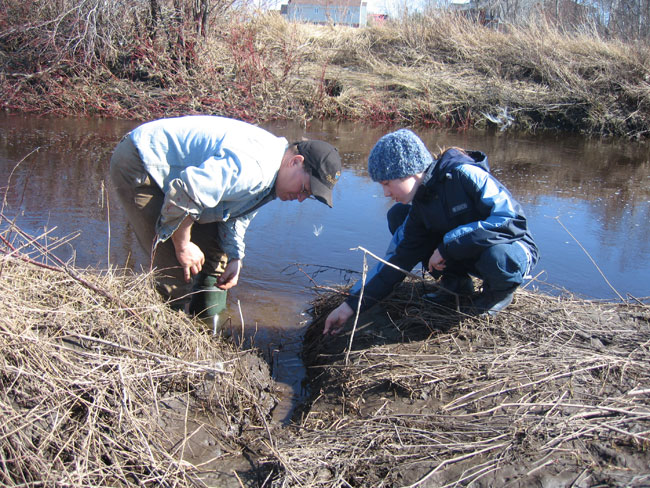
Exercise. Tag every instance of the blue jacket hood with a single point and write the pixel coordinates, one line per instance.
(453, 157)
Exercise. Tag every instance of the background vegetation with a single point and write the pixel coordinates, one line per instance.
(533, 66)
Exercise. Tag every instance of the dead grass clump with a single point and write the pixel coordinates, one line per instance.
(444, 70)
(553, 391)
(101, 384)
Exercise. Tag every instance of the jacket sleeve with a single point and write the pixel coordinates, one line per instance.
(206, 186)
(410, 245)
(176, 206)
(501, 220)
(232, 234)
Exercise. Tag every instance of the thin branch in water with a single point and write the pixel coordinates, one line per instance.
(241, 317)
(13, 170)
(591, 259)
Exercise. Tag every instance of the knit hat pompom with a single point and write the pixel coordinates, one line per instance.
(397, 155)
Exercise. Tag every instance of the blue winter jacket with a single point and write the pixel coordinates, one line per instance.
(460, 209)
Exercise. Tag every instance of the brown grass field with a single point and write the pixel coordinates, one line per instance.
(436, 71)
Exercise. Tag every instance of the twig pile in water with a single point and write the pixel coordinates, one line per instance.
(553, 389)
(97, 376)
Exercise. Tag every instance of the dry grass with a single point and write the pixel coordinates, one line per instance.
(97, 378)
(554, 389)
(102, 385)
(441, 71)
(448, 71)
(92, 362)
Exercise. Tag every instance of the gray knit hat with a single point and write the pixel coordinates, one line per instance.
(397, 155)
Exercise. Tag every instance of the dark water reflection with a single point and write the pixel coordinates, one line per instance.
(600, 191)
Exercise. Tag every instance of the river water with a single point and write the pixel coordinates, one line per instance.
(587, 201)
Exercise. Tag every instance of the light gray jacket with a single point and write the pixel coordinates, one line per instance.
(213, 169)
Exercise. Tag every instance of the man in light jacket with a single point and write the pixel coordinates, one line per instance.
(191, 185)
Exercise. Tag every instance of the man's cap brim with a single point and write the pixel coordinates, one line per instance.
(320, 191)
(323, 163)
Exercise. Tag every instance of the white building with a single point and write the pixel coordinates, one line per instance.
(346, 12)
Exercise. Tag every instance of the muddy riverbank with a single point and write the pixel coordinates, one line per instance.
(551, 393)
(102, 384)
